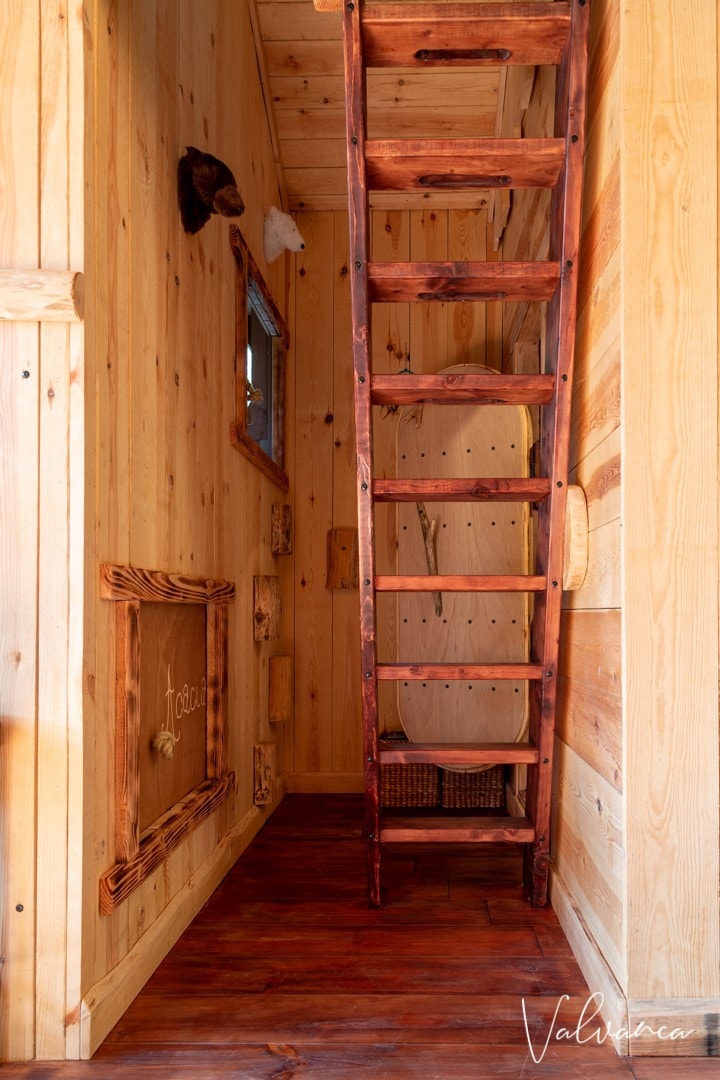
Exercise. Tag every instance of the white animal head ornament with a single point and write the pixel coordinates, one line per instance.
(280, 232)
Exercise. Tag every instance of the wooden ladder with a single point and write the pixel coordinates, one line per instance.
(407, 35)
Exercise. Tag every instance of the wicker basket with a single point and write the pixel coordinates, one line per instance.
(461, 790)
(409, 785)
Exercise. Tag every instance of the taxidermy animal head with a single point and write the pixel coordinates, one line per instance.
(205, 186)
(280, 232)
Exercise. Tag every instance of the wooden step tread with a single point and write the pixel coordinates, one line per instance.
(406, 35)
(486, 583)
(462, 281)
(422, 672)
(462, 164)
(503, 489)
(454, 389)
(392, 753)
(458, 830)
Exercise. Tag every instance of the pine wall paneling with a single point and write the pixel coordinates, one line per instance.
(589, 857)
(169, 491)
(669, 371)
(19, 351)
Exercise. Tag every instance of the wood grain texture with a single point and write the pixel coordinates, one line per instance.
(298, 894)
(134, 583)
(459, 387)
(267, 607)
(314, 455)
(166, 487)
(280, 691)
(533, 34)
(41, 295)
(588, 843)
(43, 473)
(127, 729)
(670, 284)
(463, 163)
(462, 281)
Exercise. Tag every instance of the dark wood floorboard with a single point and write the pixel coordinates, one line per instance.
(286, 972)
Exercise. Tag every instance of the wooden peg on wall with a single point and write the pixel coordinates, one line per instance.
(264, 780)
(280, 693)
(267, 607)
(342, 559)
(281, 539)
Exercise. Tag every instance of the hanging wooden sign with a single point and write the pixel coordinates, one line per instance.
(171, 716)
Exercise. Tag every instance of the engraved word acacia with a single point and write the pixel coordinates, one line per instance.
(171, 681)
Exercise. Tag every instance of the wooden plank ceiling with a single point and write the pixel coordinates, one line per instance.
(303, 60)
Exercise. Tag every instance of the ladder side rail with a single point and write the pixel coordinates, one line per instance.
(356, 134)
(565, 222)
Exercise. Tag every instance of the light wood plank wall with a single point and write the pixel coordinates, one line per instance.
(41, 569)
(635, 871)
(166, 490)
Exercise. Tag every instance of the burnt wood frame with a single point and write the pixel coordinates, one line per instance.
(249, 280)
(137, 855)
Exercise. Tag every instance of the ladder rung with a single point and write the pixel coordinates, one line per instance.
(461, 164)
(459, 830)
(456, 389)
(457, 281)
(490, 583)
(504, 489)
(390, 753)
(405, 35)
(437, 672)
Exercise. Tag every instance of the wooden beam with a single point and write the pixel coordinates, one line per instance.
(41, 296)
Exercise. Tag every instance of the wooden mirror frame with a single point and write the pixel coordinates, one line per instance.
(248, 280)
(136, 854)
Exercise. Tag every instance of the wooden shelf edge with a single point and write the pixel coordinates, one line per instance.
(457, 753)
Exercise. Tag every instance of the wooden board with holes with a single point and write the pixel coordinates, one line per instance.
(471, 538)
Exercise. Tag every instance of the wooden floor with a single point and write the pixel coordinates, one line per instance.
(286, 972)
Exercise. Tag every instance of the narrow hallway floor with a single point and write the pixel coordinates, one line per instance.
(286, 972)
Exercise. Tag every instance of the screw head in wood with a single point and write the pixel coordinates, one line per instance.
(366, 581)
(546, 761)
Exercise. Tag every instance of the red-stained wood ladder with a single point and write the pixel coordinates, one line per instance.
(409, 35)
